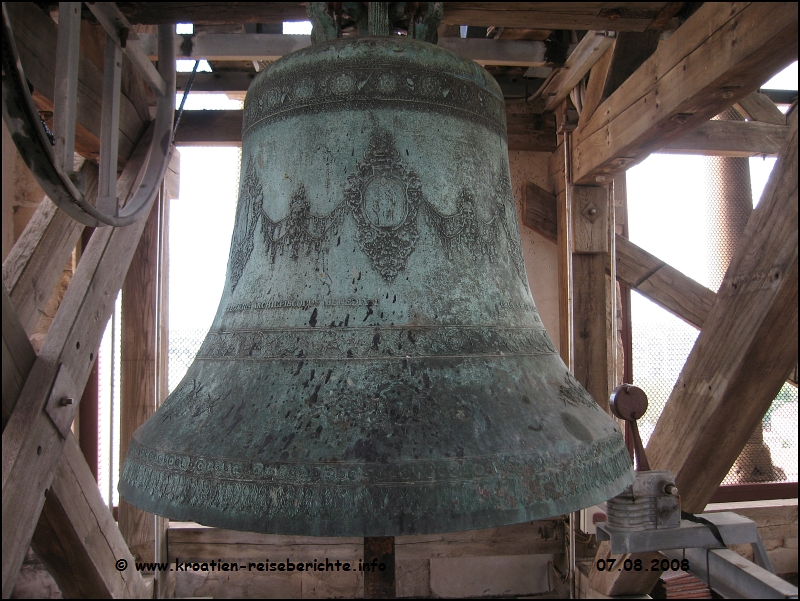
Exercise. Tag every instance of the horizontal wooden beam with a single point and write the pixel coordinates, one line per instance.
(270, 47)
(745, 350)
(618, 16)
(730, 139)
(192, 542)
(719, 56)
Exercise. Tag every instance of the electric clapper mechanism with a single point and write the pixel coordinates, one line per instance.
(647, 517)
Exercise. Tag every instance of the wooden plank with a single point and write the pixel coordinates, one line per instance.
(620, 16)
(721, 54)
(758, 107)
(201, 128)
(203, 13)
(590, 215)
(596, 85)
(76, 536)
(663, 284)
(18, 357)
(32, 442)
(617, 16)
(540, 211)
(529, 131)
(138, 371)
(192, 542)
(591, 340)
(35, 34)
(745, 350)
(631, 50)
(731, 139)
(35, 263)
(590, 49)
(270, 47)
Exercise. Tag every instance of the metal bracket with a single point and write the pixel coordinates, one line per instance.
(62, 402)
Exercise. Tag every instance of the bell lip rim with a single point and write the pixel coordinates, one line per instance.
(221, 519)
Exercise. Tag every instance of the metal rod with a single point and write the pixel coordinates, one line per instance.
(107, 200)
(66, 83)
(183, 100)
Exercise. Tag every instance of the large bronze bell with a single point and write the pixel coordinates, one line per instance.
(377, 365)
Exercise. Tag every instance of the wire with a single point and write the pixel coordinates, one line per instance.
(183, 100)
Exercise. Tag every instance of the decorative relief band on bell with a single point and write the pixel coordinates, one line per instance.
(375, 343)
(363, 86)
(360, 489)
(384, 197)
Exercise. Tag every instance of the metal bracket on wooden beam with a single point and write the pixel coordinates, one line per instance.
(61, 405)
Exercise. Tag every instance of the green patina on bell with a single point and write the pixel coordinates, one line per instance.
(377, 365)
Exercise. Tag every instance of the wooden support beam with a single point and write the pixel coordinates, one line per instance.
(737, 365)
(662, 283)
(596, 84)
(758, 107)
(35, 34)
(590, 49)
(192, 542)
(721, 54)
(636, 268)
(18, 357)
(744, 352)
(34, 438)
(731, 139)
(76, 536)
(528, 130)
(34, 265)
(625, 16)
(138, 375)
(618, 16)
(271, 47)
(540, 211)
(591, 306)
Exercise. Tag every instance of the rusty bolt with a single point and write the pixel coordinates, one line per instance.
(671, 489)
(727, 94)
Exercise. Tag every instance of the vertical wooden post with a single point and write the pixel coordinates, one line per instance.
(592, 304)
(379, 573)
(138, 371)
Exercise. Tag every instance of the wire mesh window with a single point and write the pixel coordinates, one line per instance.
(689, 221)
